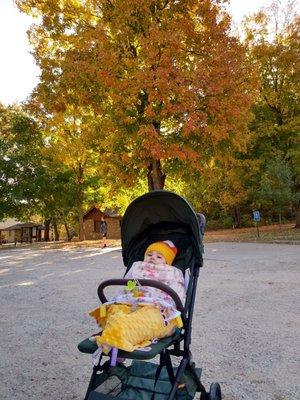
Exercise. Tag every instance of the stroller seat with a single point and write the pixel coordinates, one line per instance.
(89, 347)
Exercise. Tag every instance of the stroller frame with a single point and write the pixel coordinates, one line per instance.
(178, 347)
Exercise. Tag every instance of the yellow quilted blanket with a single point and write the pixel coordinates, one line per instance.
(128, 330)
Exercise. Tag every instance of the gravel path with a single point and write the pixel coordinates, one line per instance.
(246, 324)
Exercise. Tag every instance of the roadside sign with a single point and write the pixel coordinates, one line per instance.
(256, 216)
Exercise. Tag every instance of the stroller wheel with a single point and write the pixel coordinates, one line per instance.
(213, 394)
(215, 391)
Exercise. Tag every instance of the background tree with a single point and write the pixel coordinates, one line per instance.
(276, 187)
(221, 190)
(31, 184)
(7, 203)
(70, 138)
(20, 142)
(273, 38)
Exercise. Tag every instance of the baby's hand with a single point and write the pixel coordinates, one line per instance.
(139, 294)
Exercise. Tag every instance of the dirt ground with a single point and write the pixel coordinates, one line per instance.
(246, 331)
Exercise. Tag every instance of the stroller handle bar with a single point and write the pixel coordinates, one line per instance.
(142, 282)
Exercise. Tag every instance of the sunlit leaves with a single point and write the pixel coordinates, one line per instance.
(163, 75)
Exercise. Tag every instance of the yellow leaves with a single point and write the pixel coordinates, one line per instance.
(211, 164)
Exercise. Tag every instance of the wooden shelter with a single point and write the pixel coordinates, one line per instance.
(92, 219)
(22, 232)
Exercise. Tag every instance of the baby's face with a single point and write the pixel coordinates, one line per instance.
(155, 257)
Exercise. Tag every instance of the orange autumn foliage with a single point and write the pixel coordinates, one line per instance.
(166, 76)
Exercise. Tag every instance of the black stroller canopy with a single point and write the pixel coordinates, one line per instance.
(161, 215)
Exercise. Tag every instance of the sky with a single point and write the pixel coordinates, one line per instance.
(18, 71)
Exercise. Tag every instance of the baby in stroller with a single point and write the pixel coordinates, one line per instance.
(139, 314)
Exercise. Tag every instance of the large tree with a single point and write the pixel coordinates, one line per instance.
(166, 77)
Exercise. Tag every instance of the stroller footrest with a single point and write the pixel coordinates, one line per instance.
(87, 346)
(100, 396)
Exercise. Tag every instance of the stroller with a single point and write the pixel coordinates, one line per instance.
(155, 216)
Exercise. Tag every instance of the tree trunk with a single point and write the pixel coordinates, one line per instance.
(297, 214)
(67, 232)
(280, 220)
(56, 233)
(80, 195)
(47, 230)
(237, 216)
(81, 227)
(155, 176)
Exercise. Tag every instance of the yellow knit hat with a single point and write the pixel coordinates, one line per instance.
(167, 248)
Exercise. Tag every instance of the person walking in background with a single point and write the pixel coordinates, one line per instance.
(202, 226)
(103, 231)
(202, 222)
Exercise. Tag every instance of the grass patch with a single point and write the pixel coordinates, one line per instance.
(267, 234)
